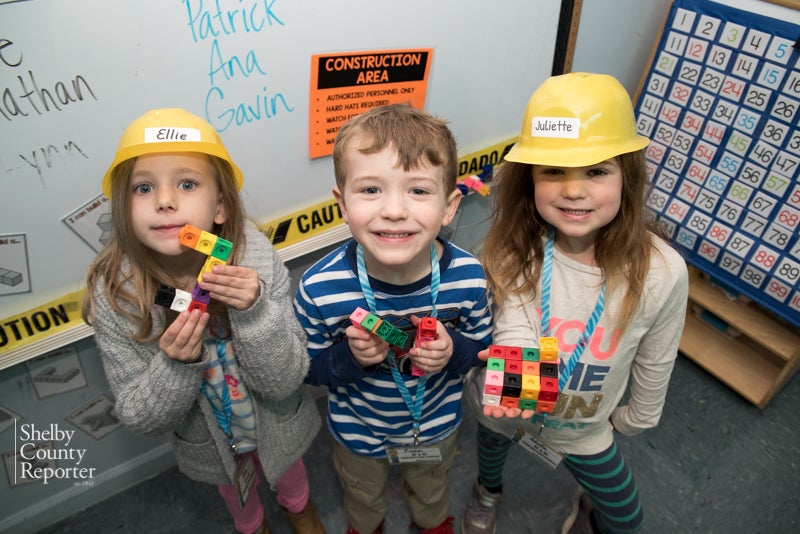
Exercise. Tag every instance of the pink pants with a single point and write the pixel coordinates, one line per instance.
(292, 489)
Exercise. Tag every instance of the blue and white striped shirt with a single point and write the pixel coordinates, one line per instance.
(366, 412)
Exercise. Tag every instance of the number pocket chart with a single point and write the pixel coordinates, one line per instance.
(721, 105)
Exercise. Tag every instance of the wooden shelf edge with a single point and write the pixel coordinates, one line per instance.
(752, 322)
(736, 365)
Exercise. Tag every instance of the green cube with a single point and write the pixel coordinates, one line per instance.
(222, 249)
(530, 354)
(495, 364)
(399, 338)
(385, 331)
(370, 321)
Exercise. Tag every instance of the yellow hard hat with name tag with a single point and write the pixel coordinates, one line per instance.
(575, 120)
(169, 130)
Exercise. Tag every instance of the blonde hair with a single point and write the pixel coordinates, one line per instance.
(146, 272)
(415, 134)
(513, 249)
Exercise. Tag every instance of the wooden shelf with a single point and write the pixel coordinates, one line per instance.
(757, 362)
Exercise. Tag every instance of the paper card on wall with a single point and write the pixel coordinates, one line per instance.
(29, 465)
(14, 272)
(97, 418)
(56, 372)
(348, 84)
(92, 222)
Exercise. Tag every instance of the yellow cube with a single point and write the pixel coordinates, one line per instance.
(206, 242)
(211, 261)
(548, 349)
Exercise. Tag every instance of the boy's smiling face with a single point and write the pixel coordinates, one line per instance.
(394, 214)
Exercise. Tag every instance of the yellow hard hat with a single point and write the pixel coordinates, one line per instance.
(575, 120)
(169, 130)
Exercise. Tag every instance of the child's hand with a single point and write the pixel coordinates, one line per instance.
(367, 349)
(432, 356)
(238, 287)
(183, 340)
(501, 411)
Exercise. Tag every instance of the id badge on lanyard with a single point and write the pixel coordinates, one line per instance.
(414, 455)
(536, 445)
(244, 477)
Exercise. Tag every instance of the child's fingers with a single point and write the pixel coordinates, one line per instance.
(184, 337)
(501, 411)
(234, 286)
(513, 412)
(356, 332)
(494, 411)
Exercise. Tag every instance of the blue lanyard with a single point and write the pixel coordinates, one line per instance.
(222, 412)
(588, 330)
(414, 404)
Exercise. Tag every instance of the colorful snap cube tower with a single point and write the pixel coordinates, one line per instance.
(523, 377)
(218, 251)
(426, 331)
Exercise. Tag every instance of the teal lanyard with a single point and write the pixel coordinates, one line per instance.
(414, 404)
(583, 341)
(222, 412)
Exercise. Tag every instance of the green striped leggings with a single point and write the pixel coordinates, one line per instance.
(605, 478)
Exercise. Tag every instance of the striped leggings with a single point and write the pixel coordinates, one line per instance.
(606, 479)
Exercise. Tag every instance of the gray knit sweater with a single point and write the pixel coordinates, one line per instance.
(156, 395)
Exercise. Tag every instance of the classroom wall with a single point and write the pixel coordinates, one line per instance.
(617, 37)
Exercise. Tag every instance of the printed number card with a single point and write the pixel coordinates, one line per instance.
(721, 104)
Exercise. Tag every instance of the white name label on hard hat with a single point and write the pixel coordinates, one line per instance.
(562, 127)
(163, 135)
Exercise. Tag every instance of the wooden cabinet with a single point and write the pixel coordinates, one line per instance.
(755, 362)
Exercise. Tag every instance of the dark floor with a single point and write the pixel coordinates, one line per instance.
(716, 464)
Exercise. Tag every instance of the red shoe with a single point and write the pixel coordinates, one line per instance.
(351, 530)
(445, 528)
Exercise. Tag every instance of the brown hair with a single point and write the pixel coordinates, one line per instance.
(414, 133)
(146, 273)
(513, 250)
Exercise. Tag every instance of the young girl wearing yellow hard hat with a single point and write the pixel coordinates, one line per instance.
(224, 382)
(571, 255)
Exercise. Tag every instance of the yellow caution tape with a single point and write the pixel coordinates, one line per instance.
(41, 322)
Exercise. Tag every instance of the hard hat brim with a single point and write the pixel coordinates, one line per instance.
(134, 151)
(573, 157)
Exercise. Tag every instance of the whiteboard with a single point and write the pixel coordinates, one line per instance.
(111, 60)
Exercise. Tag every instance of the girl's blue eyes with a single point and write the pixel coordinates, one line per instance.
(143, 189)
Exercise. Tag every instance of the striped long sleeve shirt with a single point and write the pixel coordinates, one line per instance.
(366, 412)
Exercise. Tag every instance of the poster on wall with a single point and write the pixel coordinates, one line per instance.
(347, 84)
(721, 103)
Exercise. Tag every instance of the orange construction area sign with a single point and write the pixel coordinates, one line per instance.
(347, 84)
